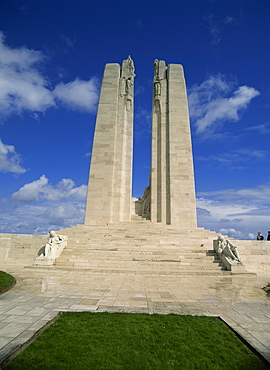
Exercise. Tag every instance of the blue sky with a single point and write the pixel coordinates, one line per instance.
(52, 56)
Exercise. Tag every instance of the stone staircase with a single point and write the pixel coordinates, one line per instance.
(140, 247)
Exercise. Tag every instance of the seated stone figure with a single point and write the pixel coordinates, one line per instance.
(227, 250)
(52, 246)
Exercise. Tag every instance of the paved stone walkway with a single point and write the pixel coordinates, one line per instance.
(40, 294)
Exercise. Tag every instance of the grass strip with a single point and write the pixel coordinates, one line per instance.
(6, 281)
(85, 340)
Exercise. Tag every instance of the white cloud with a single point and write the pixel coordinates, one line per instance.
(210, 106)
(41, 190)
(239, 213)
(229, 20)
(262, 129)
(24, 87)
(9, 159)
(216, 27)
(39, 206)
(32, 191)
(67, 42)
(231, 232)
(78, 94)
(259, 194)
(238, 159)
(40, 219)
(22, 57)
(64, 215)
(143, 121)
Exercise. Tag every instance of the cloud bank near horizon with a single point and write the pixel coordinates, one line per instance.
(43, 206)
(235, 212)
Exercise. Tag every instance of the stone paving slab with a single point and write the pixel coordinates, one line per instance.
(39, 295)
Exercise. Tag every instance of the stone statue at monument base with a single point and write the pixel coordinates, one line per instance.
(228, 254)
(52, 250)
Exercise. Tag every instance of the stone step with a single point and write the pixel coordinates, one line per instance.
(136, 271)
(141, 233)
(141, 240)
(132, 254)
(107, 259)
(137, 264)
(154, 266)
(134, 228)
(121, 257)
(128, 245)
(137, 253)
(137, 250)
(96, 261)
(140, 247)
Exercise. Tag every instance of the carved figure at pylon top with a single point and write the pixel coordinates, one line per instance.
(131, 66)
(156, 67)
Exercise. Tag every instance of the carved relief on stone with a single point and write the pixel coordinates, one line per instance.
(122, 86)
(129, 90)
(128, 93)
(156, 67)
(157, 87)
(127, 76)
(157, 81)
(131, 66)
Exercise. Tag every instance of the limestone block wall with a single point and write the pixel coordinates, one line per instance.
(182, 189)
(110, 180)
(99, 197)
(20, 249)
(255, 254)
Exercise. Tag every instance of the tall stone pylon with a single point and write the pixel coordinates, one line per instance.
(110, 180)
(173, 199)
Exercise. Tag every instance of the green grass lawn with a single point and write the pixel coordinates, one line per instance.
(6, 281)
(125, 341)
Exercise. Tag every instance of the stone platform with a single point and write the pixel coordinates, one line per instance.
(39, 295)
(129, 267)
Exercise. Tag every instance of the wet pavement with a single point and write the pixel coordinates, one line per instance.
(40, 294)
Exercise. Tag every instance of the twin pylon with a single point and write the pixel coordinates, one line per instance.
(170, 197)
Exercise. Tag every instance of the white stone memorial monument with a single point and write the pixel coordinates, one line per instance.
(171, 195)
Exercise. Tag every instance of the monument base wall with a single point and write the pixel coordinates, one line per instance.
(20, 249)
(255, 254)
